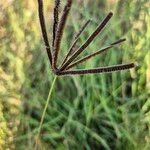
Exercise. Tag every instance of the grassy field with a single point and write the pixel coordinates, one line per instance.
(102, 111)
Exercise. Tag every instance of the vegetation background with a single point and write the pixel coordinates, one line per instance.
(106, 111)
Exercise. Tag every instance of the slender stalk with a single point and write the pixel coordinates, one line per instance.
(44, 111)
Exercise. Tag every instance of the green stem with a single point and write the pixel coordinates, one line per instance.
(44, 111)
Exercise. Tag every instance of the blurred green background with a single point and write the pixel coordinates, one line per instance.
(103, 111)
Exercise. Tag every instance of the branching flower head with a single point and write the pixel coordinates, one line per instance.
(69, 60)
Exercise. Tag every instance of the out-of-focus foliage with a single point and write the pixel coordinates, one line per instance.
(3, 128)
(109, 111)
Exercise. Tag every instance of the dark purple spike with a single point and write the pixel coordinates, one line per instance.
(56, 19)
(119, 41)
(59, 32)
(95, 54)
(43, 28)
(97, 70)
(76, 40)
(82, 29)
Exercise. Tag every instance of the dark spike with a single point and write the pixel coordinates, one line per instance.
(76, 40)
(59, 32)
(95, 54)
(98, 70)
(43, 28)
(119, 41)
(56, 19)
(88, 41)
(82, 29)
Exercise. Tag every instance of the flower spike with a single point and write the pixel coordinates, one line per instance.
(43, 28)
(59, 32)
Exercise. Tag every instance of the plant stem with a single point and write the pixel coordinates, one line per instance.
(44, 111)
